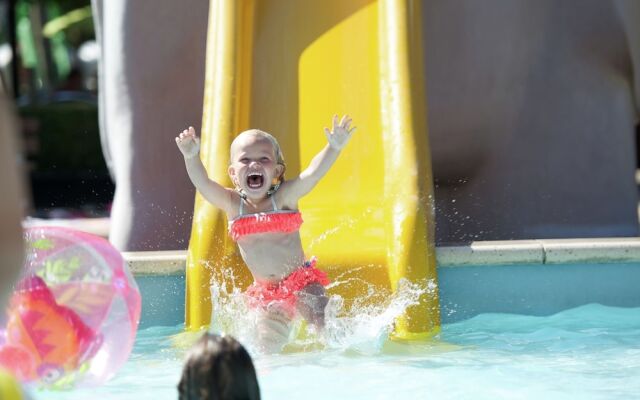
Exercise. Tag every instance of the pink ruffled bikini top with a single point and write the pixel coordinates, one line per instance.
(280, 221)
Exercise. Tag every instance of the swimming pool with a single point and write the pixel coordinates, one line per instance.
(592, 351)
(537, 328)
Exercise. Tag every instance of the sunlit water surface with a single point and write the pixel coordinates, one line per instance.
(590, 352)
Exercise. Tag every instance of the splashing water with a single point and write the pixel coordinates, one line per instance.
(365, 328)
(362, 327)
(362, 324)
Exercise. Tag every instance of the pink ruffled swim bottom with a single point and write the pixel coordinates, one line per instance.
(286, 291)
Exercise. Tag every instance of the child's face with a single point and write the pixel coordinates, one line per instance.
(253, 165)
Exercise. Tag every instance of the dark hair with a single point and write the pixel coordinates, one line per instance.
(218, 368)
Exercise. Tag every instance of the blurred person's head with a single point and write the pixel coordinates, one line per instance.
(218, 368)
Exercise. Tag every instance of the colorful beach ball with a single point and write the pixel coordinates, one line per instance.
(73, 316)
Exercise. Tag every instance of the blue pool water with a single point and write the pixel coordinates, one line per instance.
(588, 352)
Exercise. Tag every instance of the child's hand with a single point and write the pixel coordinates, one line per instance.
(188, 143)
(341, 132)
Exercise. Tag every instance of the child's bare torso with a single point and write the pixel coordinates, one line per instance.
(272, 256)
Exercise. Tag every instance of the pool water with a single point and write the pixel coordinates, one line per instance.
(589, 352)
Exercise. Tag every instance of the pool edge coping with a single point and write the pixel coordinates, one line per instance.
(512, 252)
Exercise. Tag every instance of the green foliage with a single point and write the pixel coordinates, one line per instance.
(62, 22)
(66, 26)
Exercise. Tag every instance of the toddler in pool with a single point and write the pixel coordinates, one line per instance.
(262, 210)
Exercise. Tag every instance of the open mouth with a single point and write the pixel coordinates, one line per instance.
(255, 180)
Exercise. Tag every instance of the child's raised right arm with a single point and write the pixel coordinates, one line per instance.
(216, 194)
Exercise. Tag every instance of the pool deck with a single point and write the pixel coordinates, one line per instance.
(489, 253)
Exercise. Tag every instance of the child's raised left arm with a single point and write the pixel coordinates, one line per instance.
(337, 137)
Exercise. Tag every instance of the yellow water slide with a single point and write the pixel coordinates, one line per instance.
(286, 67)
